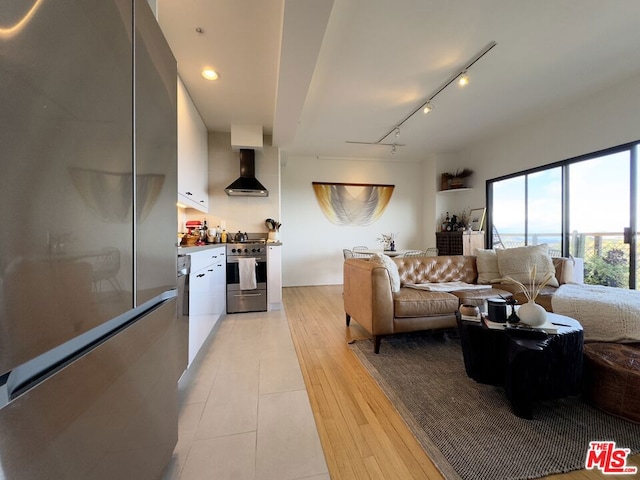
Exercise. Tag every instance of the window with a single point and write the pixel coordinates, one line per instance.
(586, 207)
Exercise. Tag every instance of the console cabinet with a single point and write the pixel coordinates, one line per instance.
(459, 243)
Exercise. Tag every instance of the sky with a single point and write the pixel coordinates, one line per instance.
(599, 198)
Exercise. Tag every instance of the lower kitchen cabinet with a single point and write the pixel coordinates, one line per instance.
(207, 295)
(274, 277)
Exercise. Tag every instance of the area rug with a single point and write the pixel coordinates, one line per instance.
(468, 428)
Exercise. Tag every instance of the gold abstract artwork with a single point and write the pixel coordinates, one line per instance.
(352, 203)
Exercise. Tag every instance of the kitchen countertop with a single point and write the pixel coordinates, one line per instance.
(198, 248)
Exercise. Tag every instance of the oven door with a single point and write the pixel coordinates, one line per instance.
(240, 301)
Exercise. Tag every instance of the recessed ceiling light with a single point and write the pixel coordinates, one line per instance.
(209, 74)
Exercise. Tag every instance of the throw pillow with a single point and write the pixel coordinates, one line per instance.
(518, 262)
(487, 264)
(391, 267)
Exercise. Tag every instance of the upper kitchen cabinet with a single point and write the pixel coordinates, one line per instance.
(193, 166)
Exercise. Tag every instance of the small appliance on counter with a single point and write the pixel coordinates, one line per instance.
(193, 227)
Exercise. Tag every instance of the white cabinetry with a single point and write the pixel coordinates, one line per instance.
(207, 295)
(193, 164)
(274, 277)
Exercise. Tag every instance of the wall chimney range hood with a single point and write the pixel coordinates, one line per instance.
(247, 185)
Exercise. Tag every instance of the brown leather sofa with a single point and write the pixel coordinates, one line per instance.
(368, 297)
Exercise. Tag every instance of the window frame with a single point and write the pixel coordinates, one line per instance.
(634, 152)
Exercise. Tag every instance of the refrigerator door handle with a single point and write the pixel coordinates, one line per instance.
(31, 373)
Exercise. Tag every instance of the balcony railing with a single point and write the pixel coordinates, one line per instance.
(605, 254)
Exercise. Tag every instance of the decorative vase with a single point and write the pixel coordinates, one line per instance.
(532, 314)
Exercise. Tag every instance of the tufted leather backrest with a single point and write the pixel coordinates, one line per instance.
(445, 268)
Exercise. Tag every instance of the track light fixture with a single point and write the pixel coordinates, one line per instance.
(463, 79)
(461, 74)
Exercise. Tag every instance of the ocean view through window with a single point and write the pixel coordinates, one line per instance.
(586, 207)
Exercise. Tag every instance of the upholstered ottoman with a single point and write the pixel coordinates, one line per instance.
(612, 378)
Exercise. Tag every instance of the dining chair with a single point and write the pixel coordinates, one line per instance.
(358, 248)
(431, 252)
(415, 253)
(347, 253)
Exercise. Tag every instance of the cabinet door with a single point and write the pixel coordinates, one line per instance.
(274, 277)
(205, 258)
(219, 288)
(200, 301)
(193, 170)
(473, 241)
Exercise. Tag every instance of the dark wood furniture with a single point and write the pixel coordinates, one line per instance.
(459, 243)
(531, 366)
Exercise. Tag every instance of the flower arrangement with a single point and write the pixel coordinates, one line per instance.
(531, 313)
(387, 240)
(464, 173)
(533, 289)
(455, 179)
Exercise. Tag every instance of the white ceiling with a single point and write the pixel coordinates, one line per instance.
(319, 73)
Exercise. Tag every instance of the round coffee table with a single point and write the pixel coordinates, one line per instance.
(531, 365)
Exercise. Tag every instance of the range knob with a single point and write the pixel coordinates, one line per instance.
(233, 250)
(246, 250)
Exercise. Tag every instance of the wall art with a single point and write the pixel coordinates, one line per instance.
(352, 203)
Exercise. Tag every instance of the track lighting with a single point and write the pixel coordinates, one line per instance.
(463, 80)
(393, 149)
(460, 76)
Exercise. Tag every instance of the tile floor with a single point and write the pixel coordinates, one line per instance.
(244, 410)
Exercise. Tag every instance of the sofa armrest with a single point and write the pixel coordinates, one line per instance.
(367, 295)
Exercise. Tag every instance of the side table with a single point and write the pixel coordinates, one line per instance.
(531, 366)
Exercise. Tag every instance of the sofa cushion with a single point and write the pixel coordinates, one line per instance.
(487, 263)
(409, 302)
(449, 268)
(517, 263)
(391, 267)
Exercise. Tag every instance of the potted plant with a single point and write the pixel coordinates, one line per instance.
(457, 179)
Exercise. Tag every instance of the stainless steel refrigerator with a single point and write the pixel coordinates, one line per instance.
(90, 345)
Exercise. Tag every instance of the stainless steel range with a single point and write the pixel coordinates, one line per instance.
(241, 294)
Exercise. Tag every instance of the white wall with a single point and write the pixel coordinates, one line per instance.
(312, 250)
(312, 254)
(240, 213)
(606, 119)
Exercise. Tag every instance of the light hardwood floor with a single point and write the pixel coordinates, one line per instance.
(362, 435)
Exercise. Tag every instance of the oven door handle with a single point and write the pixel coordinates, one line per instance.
(235, 260)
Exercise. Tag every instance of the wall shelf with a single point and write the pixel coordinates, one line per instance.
(450, 190)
